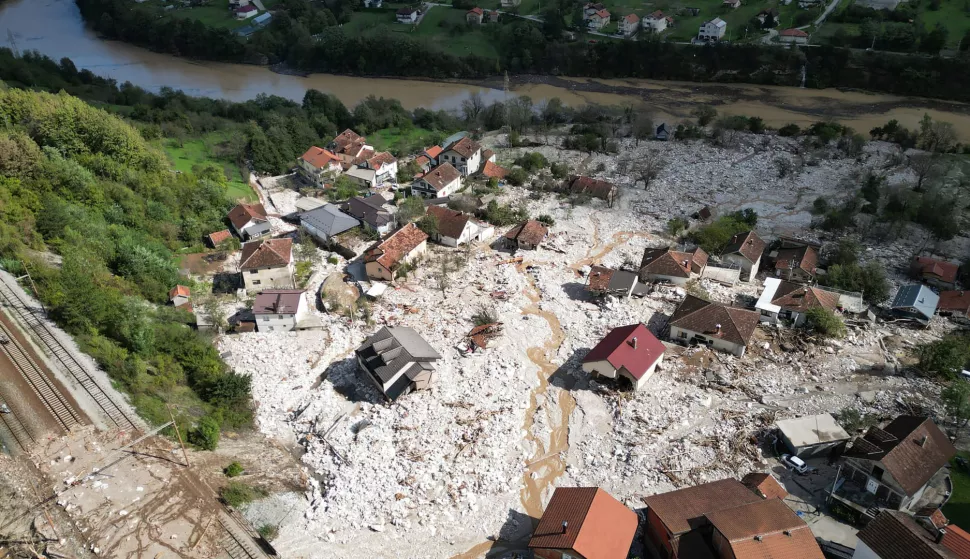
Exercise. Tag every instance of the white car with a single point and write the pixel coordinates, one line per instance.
(794, 463)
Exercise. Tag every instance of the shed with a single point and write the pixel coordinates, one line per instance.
(811, 435)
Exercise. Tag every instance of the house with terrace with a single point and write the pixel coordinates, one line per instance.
(351, 148)
(384, 166)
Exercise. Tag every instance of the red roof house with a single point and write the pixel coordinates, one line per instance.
(584, 522)
(939, 273)
(793, 33)
(954, 303)
(630, 351)
(179, 295)
(219, 237)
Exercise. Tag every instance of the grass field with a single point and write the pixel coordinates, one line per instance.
(954, 15)
(402, 140)
(206, 149)
(443, 27)
(957, 509)
(214, 14)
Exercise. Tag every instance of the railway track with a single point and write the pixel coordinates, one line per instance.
(237, 543)
(55, 402)
(66, 359)
(17, 429)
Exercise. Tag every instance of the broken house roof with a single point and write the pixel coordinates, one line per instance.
(954, 301)
(529, 232)
(277, 301)
(594, 187)
(370, 210)
(917, 297)
(779, 294)
(804, 258)
(894, 535)
(244, 213)
(588, 521)
(329, 220)
(362, 173)
(765, 485)
(632, 347)
(765, 529)
(392, 349)
(320, 158)
(812, 430)
(492, 170)
(607, 280)
(380, 159)
(390, 252)
(349, 142)
(451, 223)
(684, 509)
(441, 176)
(219, 237)
(667, 262)
(715, 320)
(957, 541)
(179, 291)
(749, 245)
(941, 269)
(465, 147)
(266, 253)
(911, 448)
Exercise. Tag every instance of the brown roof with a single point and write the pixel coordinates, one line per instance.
(266, 253)
(684, 509)
(697, 315)
(465, 147)
(957, 541)
(667, 262)
(277, 301)
(605, 14)
(765, 485)
(531, 232)
(946, 271)
(762, 518)
(748, 245)
(587, 520)
(422, 160)
(348, 142)
(219, 236)
(433, 151)
(793, 33)
(800, 298)
(179, 291)
(805, 257)
(380, 159)
(450, 222)
(954, 301)
(487, 154)
(243, 213)
(441, 176)
(911, 448)
(894, 535)
(319, 157)
(656, 15)
(587, 185)
(392, 250)
(599, 278)
(632, 18)
(492, 170)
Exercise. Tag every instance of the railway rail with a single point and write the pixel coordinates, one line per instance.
(237, 543)
(15, 427)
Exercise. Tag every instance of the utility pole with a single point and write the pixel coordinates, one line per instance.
(505, 106)
(179, 435)
(13, 42)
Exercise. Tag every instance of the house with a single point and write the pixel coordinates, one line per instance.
(246, 12)
(763, 529)
(667, 265)
(917, 302)
(432, 154)
(764, 485)
(382, 260)
(384, 166)
(796, 36)
(955, 304)
(812, 435)
(279, 310)
(655, 22)
(618, 283)
(475, 16)
(362, 176)
(744, 250)
(631, 352)
(899, 466)
(629, 25)
(783, 301)
(464, 154)
(892, 534)
(526, 235)
(703, 214)
(596, 188)
(249, 221)
(261, 20)
(796, 263)
(598, 20)
(179, 295)
(713, 324)
(712, 30)
(317, 165)
(938, 273)
(492, 16)
(370, 212)
(407, 15)
(510, 3)
(491, 170)
(443, 180)
(236, 4)
(326, 222)
(397, 360)
(307, 203)
(583, 522)
(219, 237)
(373, 3)
(267, 263)
(663, 132)
(457, 228)
(763, 16)
(731, 4)
(350, 147)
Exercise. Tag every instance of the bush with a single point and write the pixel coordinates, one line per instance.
(820, 206)
(869, 279)
(676, 225)
(233, 469)
(560, 170)
(846, 252)
(825, 322)
(206, 433)
(945, 357)
(789, 130)
(546, 220)
(705, 114)
(532, 162)
(502, 215)
(333, 260)
(268, 532)
(517, 176)
(715, 236)
(237, 494)
(484, 316)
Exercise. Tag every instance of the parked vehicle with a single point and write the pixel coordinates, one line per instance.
(794, 463)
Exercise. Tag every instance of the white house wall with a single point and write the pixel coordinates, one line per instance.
(719, 344)
(268, 278)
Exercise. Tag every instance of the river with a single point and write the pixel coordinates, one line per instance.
(55, 28)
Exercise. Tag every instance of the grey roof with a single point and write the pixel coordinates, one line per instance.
(391, 350)
(918, 297)
(369, 210)
(329, 220)
(621, 280)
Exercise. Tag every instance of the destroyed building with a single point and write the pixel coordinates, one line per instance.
(397, 360)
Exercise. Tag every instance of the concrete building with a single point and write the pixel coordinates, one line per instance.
(812, 435)
(745, 250)
(631, 352)
(267, 264)
(444, 180)
(916, 302)
(317, 166)
(464, 154)
(397, 360)
(712, 30)
(279, 310)
(712, 324)
(383, 260)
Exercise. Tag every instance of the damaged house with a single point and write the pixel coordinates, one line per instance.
(588, 186)
(456, 228)
(796, 264)
(584, 522)
(527, 235)
(715, 325)
(671, 266)
(744, 250)
(631, 352)
(397, 360)
(783, 301)
(602, 281)
(383, 260)
(938, 273)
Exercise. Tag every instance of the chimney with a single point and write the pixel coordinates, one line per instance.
(565, 524)
(717, 328)
(922, 441)
(633, 342)
(787, 533)
(939, 534)
(757, 538)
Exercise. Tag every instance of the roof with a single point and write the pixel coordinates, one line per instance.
(319, 157)
(277, 301)
(946, 271)
(329, 220)
(793, 33)
(476, 10)
(422, 160)
(487, 153)
(380, 159)
(349, 142)
(465, 147)
(599, 278)
(632, 347)
(764, 484)
(954, 301)
(244, 213)
(894, 535)
(587, 520)
(801, 298)
(684, 509)
(406, 11)
(451, 223)
(594, 187)
(718, 22)
(492, 170)
(368, 175)
(530, 232)
(918, 297)
(632, 18)
(812, 430)
(704, 317)
(219, 237)
(433, 151)
(265, 16)
(391, 251)
(179, 291)
(749, 245)
(441, 176)
(370, 210)
(392, 349)
(246, 9)
(667, 262)
(766, 529)
(911, 448)
(656, 15)
(957, 541)
(266, 253)
(804, 257)
(602, 13)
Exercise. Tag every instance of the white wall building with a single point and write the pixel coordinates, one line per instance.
(279, 310)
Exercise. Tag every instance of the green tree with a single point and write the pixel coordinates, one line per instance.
(410, 209)
(206, 433)
(429, 224)
(825, 322)
(945, 357)
(956, 401)
(705, 114)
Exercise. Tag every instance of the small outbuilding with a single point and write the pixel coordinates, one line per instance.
(811, 435)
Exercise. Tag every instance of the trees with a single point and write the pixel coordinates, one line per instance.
(924, 165)
(410, 209)
(945, 357)
(648, 168)
(643, 127)
(705, 114)
(715, 236)
(956, 401)
(869, 279)
(825, 322)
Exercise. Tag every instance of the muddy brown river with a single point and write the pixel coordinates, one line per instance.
(55, 28)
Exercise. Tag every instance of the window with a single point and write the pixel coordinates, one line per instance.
(255, 282)
(254, 271)
(766, 313)
(877, 472)
(683, 335)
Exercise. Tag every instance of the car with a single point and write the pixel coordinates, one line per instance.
(794, 463)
